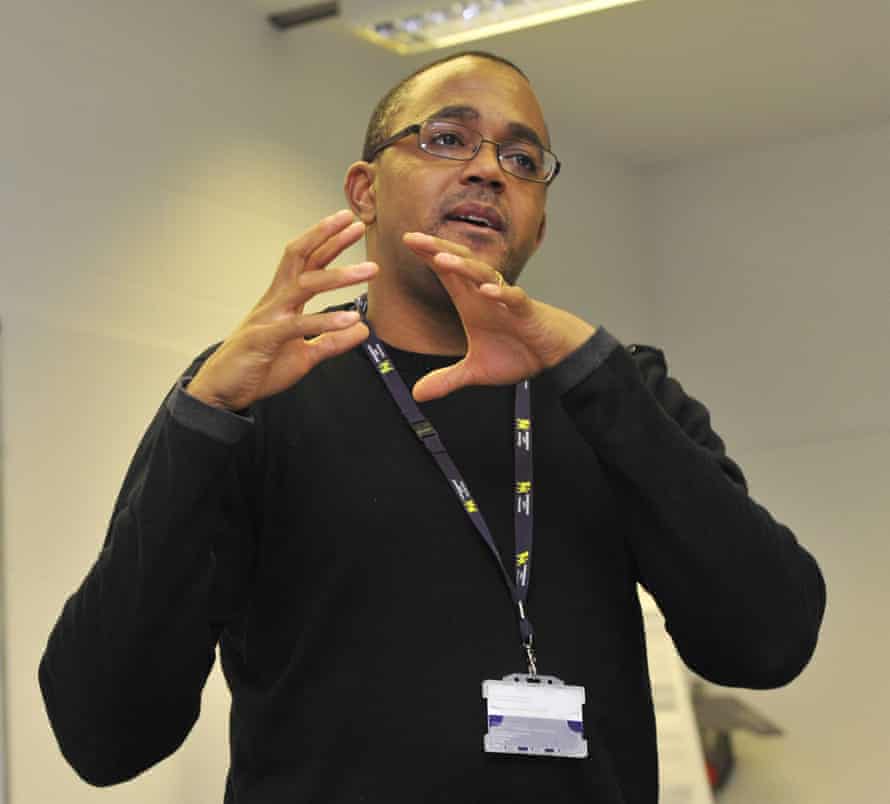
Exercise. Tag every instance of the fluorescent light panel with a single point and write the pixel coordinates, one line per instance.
(454, 23)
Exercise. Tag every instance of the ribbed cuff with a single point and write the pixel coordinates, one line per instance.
(586, 359)
(216, 423)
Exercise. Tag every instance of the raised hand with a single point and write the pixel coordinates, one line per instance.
(510, 336)
(268, 351)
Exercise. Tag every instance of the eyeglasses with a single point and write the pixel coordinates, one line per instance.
(449, 140)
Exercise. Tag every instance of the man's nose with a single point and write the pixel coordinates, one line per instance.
(484, 168)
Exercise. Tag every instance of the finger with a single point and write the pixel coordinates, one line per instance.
(314, 282)
(267, 338)
(334, 245)
(291, 299)
(425, 244)
(429, 251)
(306, 326)
(294, 359)
(474, 270)
(297, 251)
(441, 382)
(334, 343)
(513, 298)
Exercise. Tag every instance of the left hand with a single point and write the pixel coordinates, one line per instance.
(510, 336)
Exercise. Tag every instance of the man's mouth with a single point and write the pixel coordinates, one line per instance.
(470, 219)
(479, 215)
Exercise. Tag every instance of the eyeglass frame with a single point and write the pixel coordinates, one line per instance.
(415, 128)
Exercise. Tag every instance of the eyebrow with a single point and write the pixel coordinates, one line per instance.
(465, 113)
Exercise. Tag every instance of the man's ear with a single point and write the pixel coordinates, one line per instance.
(360, 193)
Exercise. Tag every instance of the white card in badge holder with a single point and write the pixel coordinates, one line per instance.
(534, 715)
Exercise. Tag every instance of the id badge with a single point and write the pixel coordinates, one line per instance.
(536, 715)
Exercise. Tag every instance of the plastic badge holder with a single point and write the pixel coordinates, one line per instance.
(538, 715)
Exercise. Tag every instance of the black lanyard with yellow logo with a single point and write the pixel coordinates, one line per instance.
(424, 430)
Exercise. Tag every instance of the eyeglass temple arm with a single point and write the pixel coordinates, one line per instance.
(413, 129)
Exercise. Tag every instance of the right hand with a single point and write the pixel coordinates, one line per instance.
(268, 352)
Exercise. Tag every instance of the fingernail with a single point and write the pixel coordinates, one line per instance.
(448, 259)
(365, 269)
(347, 317)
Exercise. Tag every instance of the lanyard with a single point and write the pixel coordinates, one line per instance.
(424, 430)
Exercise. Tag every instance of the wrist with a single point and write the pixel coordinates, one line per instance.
(194, 388)
(574, 337)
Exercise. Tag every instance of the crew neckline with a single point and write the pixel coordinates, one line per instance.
(424, 358)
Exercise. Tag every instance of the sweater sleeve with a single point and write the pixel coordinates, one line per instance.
(742, 599)
(127, 660)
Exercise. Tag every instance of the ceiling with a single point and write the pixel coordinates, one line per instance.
(665, 80)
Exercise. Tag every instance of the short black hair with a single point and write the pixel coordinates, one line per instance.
(386, 107)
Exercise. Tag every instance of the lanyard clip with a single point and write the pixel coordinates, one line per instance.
(532, 664)
(525, 630)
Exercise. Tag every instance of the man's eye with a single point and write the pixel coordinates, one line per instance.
(448, 139)
(522, 160)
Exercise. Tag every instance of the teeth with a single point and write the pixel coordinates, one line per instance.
(473, 219)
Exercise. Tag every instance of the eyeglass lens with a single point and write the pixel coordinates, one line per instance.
(454, 141)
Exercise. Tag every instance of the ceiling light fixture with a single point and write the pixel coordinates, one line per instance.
(408, 27)
(455, 23)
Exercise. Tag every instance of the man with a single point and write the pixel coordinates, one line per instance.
(288, 503)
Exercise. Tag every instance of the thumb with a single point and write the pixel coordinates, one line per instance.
(441, 382)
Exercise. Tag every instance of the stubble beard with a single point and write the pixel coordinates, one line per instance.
(510, 263)
(424, 285)
(427, 288)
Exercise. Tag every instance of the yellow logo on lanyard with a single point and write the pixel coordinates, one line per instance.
(522, 558)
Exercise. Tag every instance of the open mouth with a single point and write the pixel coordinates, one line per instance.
(481, 223)
(475, 215)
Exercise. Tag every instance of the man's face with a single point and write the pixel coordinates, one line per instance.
(419, 192)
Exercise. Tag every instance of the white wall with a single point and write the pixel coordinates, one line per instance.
(771, 293)
(155, 159)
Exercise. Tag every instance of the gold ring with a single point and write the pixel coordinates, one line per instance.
(500, 279)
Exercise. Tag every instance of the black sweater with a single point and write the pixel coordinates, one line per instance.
(357, 610)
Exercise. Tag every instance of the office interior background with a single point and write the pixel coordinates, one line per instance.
(725, 195)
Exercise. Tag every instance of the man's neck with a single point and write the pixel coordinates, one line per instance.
(407, 323)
